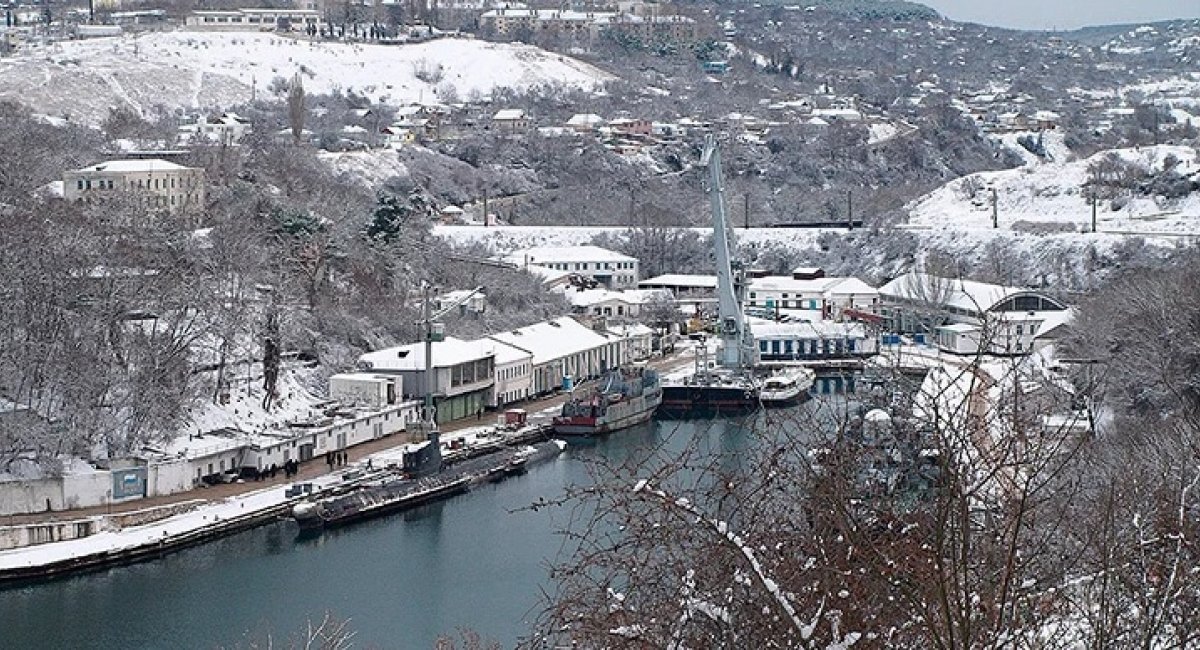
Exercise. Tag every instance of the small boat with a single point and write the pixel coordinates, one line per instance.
(627, 398)
(787, 387)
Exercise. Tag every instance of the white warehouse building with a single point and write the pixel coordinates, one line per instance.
(563, 348)
(607, 268)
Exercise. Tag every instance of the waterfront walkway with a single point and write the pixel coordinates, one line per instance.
(309, 470)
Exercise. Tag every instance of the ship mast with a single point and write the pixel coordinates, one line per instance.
(738, 351)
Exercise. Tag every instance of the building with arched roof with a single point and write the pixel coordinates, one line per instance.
(965, 316)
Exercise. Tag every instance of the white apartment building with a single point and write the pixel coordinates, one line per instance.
(267, 20)
(607, 268)
(161, 184)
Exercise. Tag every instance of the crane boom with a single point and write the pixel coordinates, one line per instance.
(737, 343)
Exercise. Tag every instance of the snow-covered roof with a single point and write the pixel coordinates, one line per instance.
(960, 328)
(361, 376)
(551, 340)
(565, 254)
(681, 281)
(631, 330)
(589, 297)
(127, 166)
(838, 113)
(506, 354)
(548, 275)
(585, 119)
(822, 286)
(446, 353)
(509, 114)
(1054, 320)
(783, 283)
(967, 295)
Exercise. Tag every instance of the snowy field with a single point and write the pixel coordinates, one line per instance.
(201, 70)
(1052, 193)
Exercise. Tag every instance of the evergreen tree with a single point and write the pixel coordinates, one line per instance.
(390, 218)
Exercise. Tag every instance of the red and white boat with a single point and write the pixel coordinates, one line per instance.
(625, 399)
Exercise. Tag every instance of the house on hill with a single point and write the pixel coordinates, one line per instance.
(158, 183)
(511, 120)
(226, 129)
(585, 122)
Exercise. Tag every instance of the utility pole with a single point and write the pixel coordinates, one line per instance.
(1094, 212)
(995, 210)
(486, 221)
(746, 209)
(849, 210)
(427, 410)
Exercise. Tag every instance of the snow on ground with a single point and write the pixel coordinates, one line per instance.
(1052, 193)
(1070, 255)
(506, 239)
(881, 131)
(1052, 142)
(202, 70)
(1181, 91)
(371, 168)
(245, 412)
(135, 536)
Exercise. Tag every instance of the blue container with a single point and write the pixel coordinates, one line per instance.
(568, 382)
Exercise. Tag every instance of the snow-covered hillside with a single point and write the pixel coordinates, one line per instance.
(1049, 257)
(371, 168)
(199, 70)
(1051, 194)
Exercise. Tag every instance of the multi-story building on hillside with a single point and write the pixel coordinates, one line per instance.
(268, 20)
(161, 184)
(607, 268)
(648, 25)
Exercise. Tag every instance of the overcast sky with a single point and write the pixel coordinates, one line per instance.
(1063, 14)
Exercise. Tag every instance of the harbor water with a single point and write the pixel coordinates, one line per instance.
(477, 561)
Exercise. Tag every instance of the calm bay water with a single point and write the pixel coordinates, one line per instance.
(470, 562)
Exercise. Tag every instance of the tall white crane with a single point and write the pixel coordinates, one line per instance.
(738, 351)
